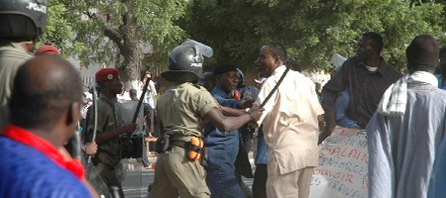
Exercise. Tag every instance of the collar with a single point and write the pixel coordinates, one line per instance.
(381, 68)
(13, 49)
(425, 77)
(27, 138)
(279, 70)
(219, 91)
(110, 102)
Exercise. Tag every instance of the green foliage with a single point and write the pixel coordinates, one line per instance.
(113, 31)
(59, 30)
(312, 30)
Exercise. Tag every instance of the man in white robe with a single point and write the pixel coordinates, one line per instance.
(408, 127)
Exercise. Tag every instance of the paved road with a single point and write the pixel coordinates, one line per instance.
(137, 179)
(136, 182)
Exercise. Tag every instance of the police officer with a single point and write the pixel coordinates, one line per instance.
(109, 152)
(22, 22)
(181, 111)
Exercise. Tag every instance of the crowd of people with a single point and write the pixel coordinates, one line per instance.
(205, 121)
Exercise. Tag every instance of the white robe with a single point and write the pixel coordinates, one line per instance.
(402, 148)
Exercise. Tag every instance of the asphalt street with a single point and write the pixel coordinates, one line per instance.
(138, 178)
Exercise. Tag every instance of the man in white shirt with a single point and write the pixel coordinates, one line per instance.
(290, 125)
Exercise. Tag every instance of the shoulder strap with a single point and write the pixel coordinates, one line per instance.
(275, 87)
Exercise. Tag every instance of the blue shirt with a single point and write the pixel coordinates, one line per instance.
(248, 92)
(222, 146)
(26, 172)
(262, 150)
(341, 111)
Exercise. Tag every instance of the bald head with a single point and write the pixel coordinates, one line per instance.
(44, 89)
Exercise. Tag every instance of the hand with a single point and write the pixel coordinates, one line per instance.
(235, 95)
(90, 148)
(256, 113)
(245, 104)
(130, 128)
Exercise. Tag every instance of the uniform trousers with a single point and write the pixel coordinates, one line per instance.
(108, 174)
(176, 175)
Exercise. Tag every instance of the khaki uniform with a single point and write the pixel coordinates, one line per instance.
(12, 56)
(181, 110)
(109, 152)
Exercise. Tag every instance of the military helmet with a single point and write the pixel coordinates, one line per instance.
(186, 62)
(22, 18)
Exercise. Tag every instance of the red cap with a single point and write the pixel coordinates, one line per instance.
(47, 49)
(106, 74)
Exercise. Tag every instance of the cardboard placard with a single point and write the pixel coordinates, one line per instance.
(343, 165)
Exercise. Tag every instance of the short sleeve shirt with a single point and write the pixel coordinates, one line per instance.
(182, 107)
(109, 152)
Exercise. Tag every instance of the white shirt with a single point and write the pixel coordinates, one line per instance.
(290, 121)
(150, 96)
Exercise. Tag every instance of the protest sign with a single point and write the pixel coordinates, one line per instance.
(343, 165)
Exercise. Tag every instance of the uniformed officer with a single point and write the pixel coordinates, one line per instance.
(181, 110)
(22, 22)
(109, 152)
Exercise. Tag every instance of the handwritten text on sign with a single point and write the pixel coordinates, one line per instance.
(342, 169)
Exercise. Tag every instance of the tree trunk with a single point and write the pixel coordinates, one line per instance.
(131, 50)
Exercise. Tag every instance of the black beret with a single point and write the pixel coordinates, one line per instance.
(223, 68)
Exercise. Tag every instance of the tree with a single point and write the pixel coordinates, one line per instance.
(312, 30)
(124, 32)
(59, 30)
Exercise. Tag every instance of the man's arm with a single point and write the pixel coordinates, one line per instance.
(209, 110)
(232, 103)
(107, 135)
(231, 112)
(224, 123)
(103, 118)
(329, 94)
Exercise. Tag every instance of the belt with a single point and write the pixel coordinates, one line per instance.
(178, 143)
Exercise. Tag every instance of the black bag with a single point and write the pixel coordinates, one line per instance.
(132, 148)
